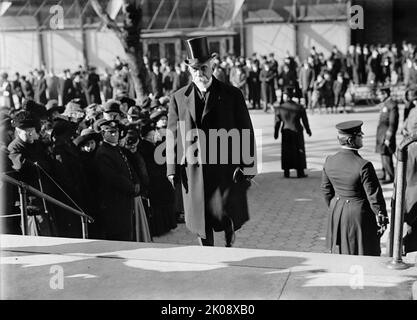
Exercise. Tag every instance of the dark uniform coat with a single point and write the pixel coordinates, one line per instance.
(23, 156)
(387, 127)
(354, 196)
(288, 117)
(410, 241)
(208, 189)
(116, 192)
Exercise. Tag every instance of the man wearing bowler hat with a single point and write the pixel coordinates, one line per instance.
(214, 183)
(357, 210)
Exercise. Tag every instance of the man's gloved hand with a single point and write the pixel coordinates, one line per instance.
(171, 179)
(137, 189)
(382, 222)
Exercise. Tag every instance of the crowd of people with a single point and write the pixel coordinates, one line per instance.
(82, 138)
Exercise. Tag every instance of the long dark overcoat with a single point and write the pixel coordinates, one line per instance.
(354, 196)
(208, 189)
(410, 241)
(116, 192)
(387, 127)
(289, 117)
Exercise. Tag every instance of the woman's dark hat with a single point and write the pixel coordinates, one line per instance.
(36, 109)
(112, 106)
(198, 51)
(25, 119)
(353, 127)
(86, 135)
(157, 114)
(125, 99)
(52, 106)
(146, 127)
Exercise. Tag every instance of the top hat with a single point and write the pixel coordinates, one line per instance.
(198, 51)
(350, 127)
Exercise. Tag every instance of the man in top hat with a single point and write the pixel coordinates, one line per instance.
(117, 186)
(288, 117)
(385, 133)
(357, 210)
(214, 192)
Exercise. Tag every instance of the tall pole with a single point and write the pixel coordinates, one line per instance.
(83, 36)
(41, 47)
(213, 17)
(397, 262)
(402, 156)
(296, 40)
(242, 30)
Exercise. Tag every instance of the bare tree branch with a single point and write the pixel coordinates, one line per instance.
(105, 18)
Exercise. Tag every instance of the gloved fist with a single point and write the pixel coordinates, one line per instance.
(382, 222)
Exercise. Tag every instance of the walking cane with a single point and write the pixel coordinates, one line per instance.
(51, 222)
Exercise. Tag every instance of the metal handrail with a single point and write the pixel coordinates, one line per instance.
(23, 188)
(396, 228)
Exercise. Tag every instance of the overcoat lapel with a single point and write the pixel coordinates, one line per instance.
(189, 101)
(213, 98)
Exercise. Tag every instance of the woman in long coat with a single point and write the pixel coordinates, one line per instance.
(288, 117)
(357, 209)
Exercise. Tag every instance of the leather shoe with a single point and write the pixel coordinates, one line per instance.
(230, 239)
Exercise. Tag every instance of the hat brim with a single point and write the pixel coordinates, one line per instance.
(60, 109)
(81, 139)
(101, 122)
(199, 61)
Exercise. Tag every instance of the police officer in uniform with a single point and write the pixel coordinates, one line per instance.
(357, 210)
(385, 134)
(118, 185)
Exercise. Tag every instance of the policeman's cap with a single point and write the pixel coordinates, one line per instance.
(104, 124)
(353, 127)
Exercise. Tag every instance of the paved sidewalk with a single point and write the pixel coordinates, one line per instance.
(290, 214)
(60, 268)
